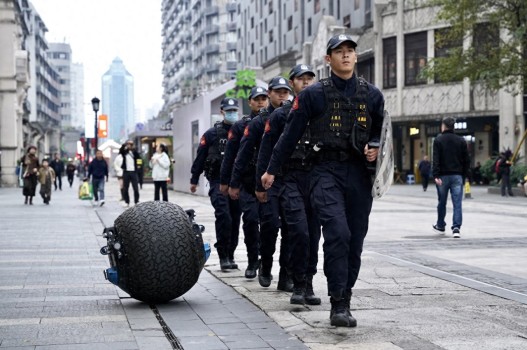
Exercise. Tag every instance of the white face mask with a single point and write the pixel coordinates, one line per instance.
(231, 116)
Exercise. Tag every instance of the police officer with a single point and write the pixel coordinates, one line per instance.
(279, 91)
(209, 157)
(302, 222)
(249, 205)
(344, 115)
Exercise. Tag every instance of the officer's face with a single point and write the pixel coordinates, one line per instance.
(258, 103)
(301, 82)
(277, 96)
(342, 59)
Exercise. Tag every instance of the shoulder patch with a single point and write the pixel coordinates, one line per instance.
(246, 131)
(295, 104)
(267, 126)
(203, 141)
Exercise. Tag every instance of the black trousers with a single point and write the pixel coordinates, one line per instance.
(341, 196)
(302, 223)
(227, 213)
(271, 221)
(251, 230)
(161, 185)
(58, 178)
(130, 177)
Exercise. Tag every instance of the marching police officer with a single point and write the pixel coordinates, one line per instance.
(209, 157)
(302, 222)
(249, 205)
(344, 115)
(269, 212)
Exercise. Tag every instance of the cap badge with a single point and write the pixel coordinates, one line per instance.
(281, 81)
(343, 37)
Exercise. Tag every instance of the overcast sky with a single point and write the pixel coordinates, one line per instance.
(100, 30)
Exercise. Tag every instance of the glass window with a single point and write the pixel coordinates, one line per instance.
(357, 4)
(414, 58)
(444, 46)
(366, 69)
(389, 74)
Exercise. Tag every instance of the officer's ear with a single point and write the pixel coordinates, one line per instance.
(328, 59)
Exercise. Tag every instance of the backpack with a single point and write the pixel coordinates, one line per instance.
(497, 166)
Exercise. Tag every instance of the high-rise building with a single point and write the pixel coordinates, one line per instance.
(199, 47)
(118, 100)
(59, 55)
(77, 95)
(43, 94)
(271, 31)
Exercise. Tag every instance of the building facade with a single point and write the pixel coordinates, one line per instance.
(199, 47)
(117, 101)
(44, 93)
(14, 83)
(77, 96)
(59, 55)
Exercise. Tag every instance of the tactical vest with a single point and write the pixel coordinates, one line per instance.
(264, 114)
(216, 152)
(345, 126)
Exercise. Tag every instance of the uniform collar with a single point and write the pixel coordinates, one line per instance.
(342, 84)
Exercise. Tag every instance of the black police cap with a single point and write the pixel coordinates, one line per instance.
(257, 91)
(279, 82)
(336, 40)
(299, 70)
(229, 104)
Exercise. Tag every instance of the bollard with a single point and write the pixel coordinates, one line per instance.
(467, 190)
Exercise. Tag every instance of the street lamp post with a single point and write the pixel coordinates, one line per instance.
(95, 104)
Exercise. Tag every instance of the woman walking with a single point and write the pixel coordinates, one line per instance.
(30, 167)
(160, 164)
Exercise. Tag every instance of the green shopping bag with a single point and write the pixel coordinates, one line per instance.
(86, 191)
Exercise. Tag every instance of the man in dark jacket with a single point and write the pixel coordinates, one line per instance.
(450, 167)
(98, 170)
(58, 166)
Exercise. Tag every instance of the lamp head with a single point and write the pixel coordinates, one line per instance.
(95, 104)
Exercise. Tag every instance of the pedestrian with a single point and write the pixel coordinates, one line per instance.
(46, 176)
(139, 167)
(98, 171)
(117, 166)
(269, 210)
(249, 206)
(58, 166)
(70, 171)
(208, 159)
(342, 114)
(524, 185)
(424, 171)
(476, 174)
(450, 169)
(302, 222)
(129, 158)
(30, 167)
(504, 170)
(160, 164)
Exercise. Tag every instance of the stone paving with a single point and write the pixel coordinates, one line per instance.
(416, 290)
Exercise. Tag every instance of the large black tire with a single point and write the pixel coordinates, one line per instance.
(162, 256)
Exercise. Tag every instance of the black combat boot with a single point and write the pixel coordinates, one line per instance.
(299, 290)
(234, 266)
(311, 299)
(285, 283)
(253, 266)
(340, 315)
(264, 274)
(225, 263)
